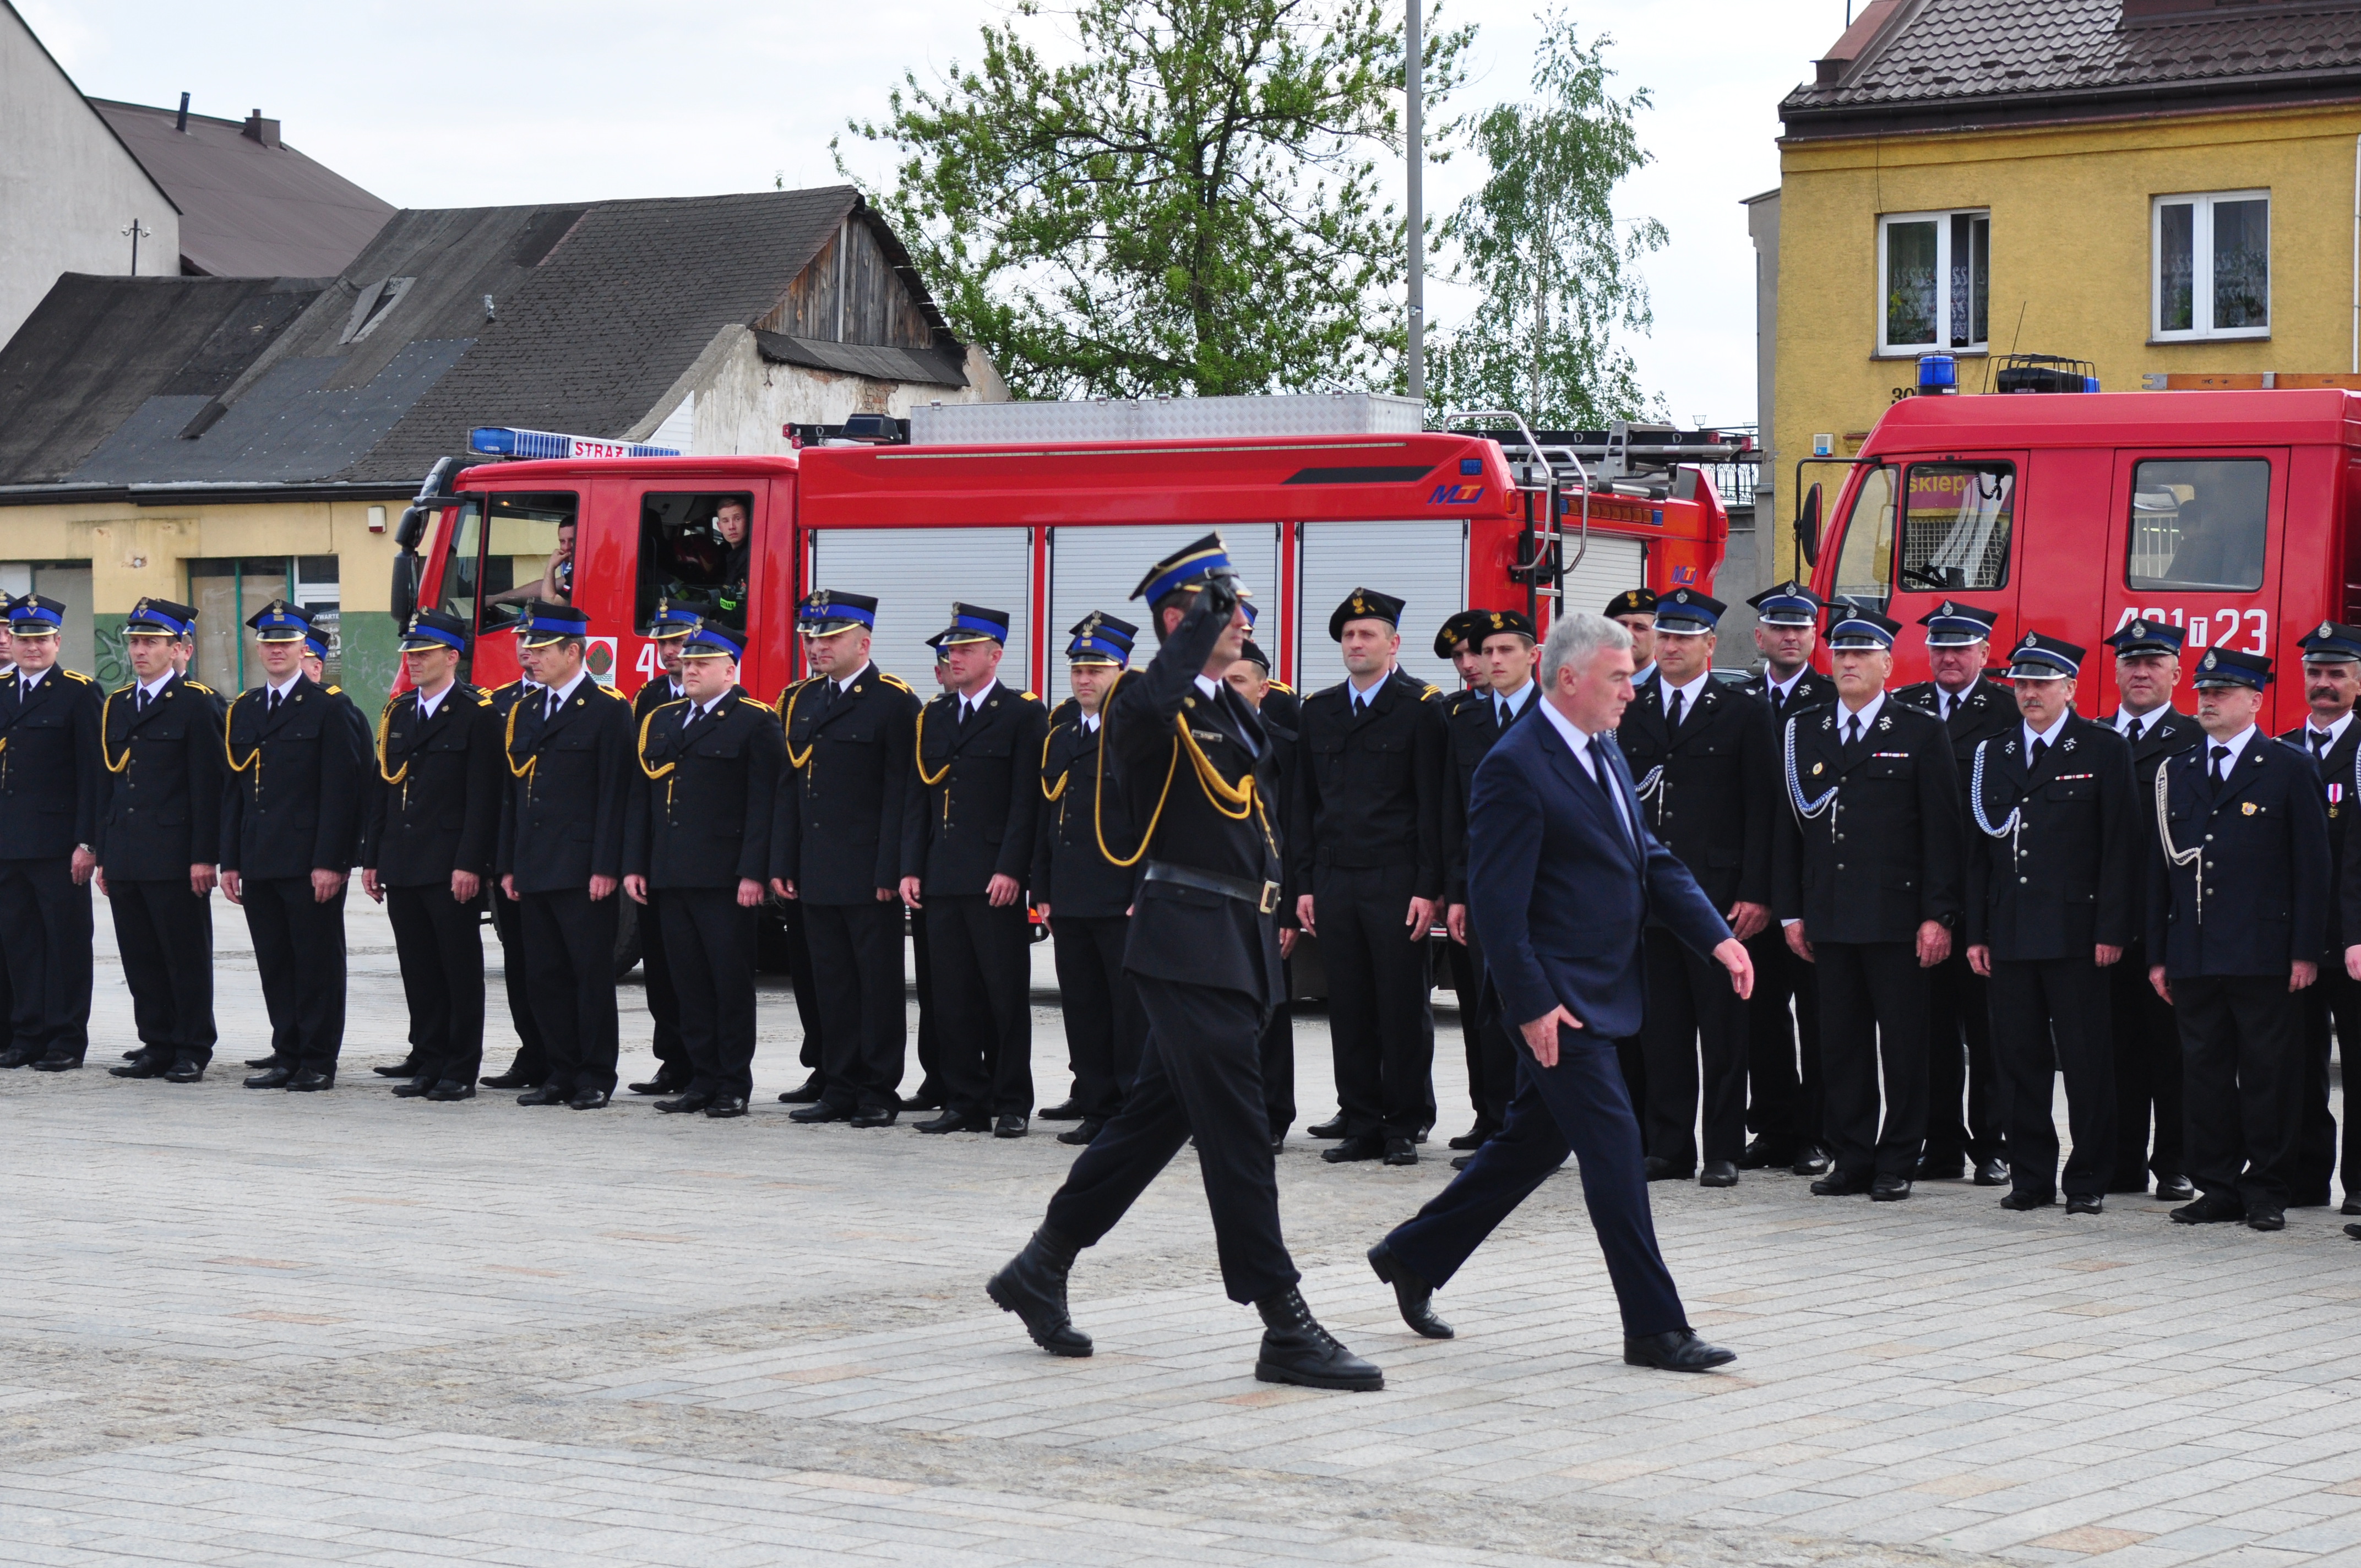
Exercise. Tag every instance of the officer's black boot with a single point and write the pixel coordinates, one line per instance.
(1033, 1286)
(1296, 1349)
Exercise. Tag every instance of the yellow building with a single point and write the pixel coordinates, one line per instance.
(2156, 187)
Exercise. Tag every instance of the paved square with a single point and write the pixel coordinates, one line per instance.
(246, 1328)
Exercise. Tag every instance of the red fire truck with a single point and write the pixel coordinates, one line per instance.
(2234, 514)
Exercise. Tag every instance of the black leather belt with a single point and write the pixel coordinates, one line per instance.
(1263, 896)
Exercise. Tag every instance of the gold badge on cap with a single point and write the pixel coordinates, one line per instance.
(1496, 620)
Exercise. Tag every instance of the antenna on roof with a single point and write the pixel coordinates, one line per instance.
(182, 125)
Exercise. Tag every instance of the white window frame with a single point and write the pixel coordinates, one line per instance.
(1942, 340)
(2201, 276)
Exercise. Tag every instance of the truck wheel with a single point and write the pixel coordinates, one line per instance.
(627, 936)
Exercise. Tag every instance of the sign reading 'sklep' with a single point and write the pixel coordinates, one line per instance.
(1456, 495)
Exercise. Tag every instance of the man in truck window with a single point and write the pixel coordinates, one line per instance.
(2331, 679)
(555, 584)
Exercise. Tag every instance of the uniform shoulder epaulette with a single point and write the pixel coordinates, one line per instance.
(196, 686)
(77, 676)
(1429, 694)
(611, 691)
(482, 700)
(1282, 687)
(126, 689)
(335, 691)
(751, 698)
(897, 682)
(1029, 697)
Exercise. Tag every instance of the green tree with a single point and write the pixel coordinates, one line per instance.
(1193, 206)
(1559, 275)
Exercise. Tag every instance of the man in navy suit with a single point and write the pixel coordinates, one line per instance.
(1562, 876)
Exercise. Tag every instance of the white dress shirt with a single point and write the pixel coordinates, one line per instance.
(2237, 746)
(1580, 745)
(969, 704)
(1689, 695)
(1868, 717)
(2049, 735)
(555, 697)
(1213, 690)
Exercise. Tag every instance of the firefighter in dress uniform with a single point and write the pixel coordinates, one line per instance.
(2147, 1035)
(697, 849)
(2331, 680)
(1281, 711)
(2052, 902)
(158, 844)
(561, 853)
(1365, 843)
(836, 853)
(2237, 911)
(1078, 887)
(289, 834)
(1707, 759)
(1471, 721)
(1783, 1017)
(1634, 610)
(530, 1068)
(667, 629)
(1868, 889)
(967, 847)
(50, 773)
(432, 823)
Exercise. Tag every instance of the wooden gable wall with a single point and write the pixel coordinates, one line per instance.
(876, 306)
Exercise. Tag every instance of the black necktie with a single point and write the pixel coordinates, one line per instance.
(143, 700)
(1852, 731)
(2221, 755)
(2318, 742)
(2040, 750)
(549, 709)
(963, 713)
(1680, 700)
(1501, 713)
(1950, 705)
(274, 700)
(690, 717)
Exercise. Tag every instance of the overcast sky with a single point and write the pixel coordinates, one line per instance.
(443, 103)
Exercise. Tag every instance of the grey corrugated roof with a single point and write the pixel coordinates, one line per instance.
(248, 210)
(936, 368)
(1967, 55)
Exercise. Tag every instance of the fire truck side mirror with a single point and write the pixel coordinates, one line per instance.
(412, 529)
(406, 570)
(1808, 527)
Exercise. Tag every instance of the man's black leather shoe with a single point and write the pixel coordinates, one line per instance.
(1940, 1170)
(1889, 1190)
(13, 1057)
(276, 1077)
(876, 1116)
(2350, 1206)
(261, 1061)
(407, 1068)
(1278, 1140)
(957, 1122)
(821, 1110)
(2023, 1201)
(1033, 1286)
(1064, 1111)
(1332, 1128)
(1665, 1171)
(2085, 1205)
(185, 1072)
(58, 1064)
(1414, 1297)
(1296, 1349)
(660, 1084)
(1400, 1151)
(2175, 1188)
(2213, 1208)
(412, 1089)
(2266, 1219)
(1760, 1153)
(590, 1100)
(1717, 1173)
(725, 1106)
(138, 1066)
(543, 1094)
(686, 1104)
(1473, 1137)
(1460, 1161)
(509, 1080)
(310, 1082)
(452, 1089)
(1011, 1125)
(134, 1054)
(805, 1095)
(1081, 1133)
(1812, 1160)
(1676, 1350)
(1837, 1184)
(1366, 1146)
(922, 1102)
(1992, 1173)
(2353, 1231)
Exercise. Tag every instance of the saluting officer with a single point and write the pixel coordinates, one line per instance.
(1080, 886)
(1959, 1012)
(967, 847)
(2237, 911)
(2331, 680)
(699, 844)
(291, 827)
(1782, 1016)
(2052, 902)
(836, 852)
(1366, 845)
(1277, 705)
(49, 772)
(561, 853)
(1868, 887)
(1706, 760)
(530, 1068)
(2147, 1035)
(433, 820)
(1473, 720)
(667, 629)
(159, 842)
(1634, 610)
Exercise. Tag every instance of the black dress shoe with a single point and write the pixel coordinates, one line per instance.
(811, 1116)
(1676, 1350)
(261, 1061)
(58, 1064)
(1761, 1153)
(590, 1100)
(310, 1082)
(138, 1066)
(1414, 1297)
(1992, 1173)
(1081, 1133)
(957, 1122)
(2213, 1208)
(2350, 1206)
(1013, 1124)
(1717, 1173)
(1296, 1349)
(452, 1089)
(1461, 1161)
(2353, 1231)
(876, 1116)
(1812, 1160)
(2088, 1204)
(1033, 1286)
(1665, 1171)
(2266, 1219)
(399, 1070)
(15, 1057)
(807, 1093)
(1064, 1111)
(1365, 1146)
(276, 1077)
(509, 1080)
(1473, 1137)
(660, 1084)
(1837, 1184)
(1889, 1190)
(543, 1094)
(1332, 1128)
(185, 1072)
(2177, 1188)
(725, 1106)
(135, 1054)
(686, 1104)
(1278, 1140)
(1400, 1151)
(2022, 1202)
(922, 1102)
(1940, 1170)
(414, 1089)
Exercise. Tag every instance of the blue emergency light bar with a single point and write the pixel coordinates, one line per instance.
(502, 441)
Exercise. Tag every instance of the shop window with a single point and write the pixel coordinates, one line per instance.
(696, 551)
(1955, 526)
(2212, 265)
(2200, 523)
(1934, 283)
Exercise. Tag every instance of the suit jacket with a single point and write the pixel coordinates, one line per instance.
(1156, 719)
(1469, 731)
(1883, 854)
(162, 787)
(1708, 789)
(1812, 690)
(1985, 710)
(1559, 892)
(434, 792)
(2064, 877)
(568, 788)
(973, 814)
(702, 803)
(1368, 788)
(1072, 874)
(2261, 841)
(293, 804)
(2339, 767)
(838, 834)
(49, 766)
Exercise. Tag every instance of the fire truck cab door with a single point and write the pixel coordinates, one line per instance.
(2196, 537)
(692, 543)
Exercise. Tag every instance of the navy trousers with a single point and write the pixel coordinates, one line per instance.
(1580, 1106)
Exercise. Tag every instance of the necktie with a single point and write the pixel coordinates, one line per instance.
(2318, 742)
(964, 710)
(1951, 706)
(691, 717)
(1680, 700)
(2221, 755)
(549, 709)
(1852, 731)
(143, 700)
(1596, 767)
(2040, 750)
(1501, 714)
(274, 700)
(1360, 705)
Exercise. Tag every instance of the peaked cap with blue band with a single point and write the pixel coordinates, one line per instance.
(2040, 658)
(1685, 612)
(433, 629)
(971, 623)
(315, 644)
(672, 620)
(160, 618)
(1788, 604)
(1857, 626)
(1955, 625)
(712, 643)
(2229, 667)
(1193, 566)
(2143, 636)
(279, 621)
(2332, 643)
(545, 624)
(1101, 638)
(34, 615)
(827, 612)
